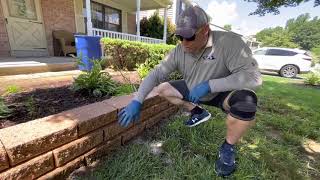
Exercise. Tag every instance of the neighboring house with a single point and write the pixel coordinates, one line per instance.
(172, 12)
(26, 26)
(252, 42)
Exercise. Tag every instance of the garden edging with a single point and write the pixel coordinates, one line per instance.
(52, 147)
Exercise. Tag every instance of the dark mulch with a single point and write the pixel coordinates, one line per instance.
(40, 103)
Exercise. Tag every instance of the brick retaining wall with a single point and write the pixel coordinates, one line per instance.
(54, 146)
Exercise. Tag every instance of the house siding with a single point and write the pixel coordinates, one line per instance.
(132, 27)
(4, 38)
(57, 15)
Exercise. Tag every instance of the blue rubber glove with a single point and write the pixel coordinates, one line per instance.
(130, 113)
(199, 91)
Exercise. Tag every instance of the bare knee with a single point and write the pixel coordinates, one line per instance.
(162, 88)
(166, 90)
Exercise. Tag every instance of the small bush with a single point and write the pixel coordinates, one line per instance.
(156, 55)
(123, 54)
(312, 79)
(127, 55)
(94, 82)
(315, 52)
(145, 68)
(12, 89)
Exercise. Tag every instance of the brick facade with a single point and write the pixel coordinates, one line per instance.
(57, 15)
(4, 39)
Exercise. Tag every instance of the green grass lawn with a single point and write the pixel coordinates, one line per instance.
(288, 116)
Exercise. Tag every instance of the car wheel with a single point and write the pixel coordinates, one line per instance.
(289, 71)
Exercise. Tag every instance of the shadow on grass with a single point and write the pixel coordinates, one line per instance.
(276, 74)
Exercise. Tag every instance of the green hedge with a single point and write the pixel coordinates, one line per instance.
(127, 55)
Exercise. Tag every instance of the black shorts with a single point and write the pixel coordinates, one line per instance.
(241, 104)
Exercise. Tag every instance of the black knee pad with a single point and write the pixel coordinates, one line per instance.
(243, 105)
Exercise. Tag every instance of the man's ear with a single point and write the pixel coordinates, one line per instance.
(206, 29)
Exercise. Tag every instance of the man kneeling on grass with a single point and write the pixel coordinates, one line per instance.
(218, 70)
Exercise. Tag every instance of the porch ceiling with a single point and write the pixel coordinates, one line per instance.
(145, 4)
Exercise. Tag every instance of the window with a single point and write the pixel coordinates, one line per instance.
(97, 16)
(112, 19)
(22, 9)
(280, 52)
(103, 17)
(260, 52)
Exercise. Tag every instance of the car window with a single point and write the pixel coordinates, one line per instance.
(280, 52)
(259, 52)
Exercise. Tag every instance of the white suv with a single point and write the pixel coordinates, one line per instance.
(287, 62)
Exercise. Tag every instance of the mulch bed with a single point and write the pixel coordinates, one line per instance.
(27, 106)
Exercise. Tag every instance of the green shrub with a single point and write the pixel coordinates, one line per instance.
(156, 55)
(95, 82)
(312, 79)
(144, 69)
(315, 55)
(4, 110)
(12, 89)
(123, 54)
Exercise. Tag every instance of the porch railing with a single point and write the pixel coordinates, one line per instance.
(125, 36)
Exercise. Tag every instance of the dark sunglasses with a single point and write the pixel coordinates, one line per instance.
(192, 38)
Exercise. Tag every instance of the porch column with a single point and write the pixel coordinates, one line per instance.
(89, 22)
(138, 19)
(165, 26)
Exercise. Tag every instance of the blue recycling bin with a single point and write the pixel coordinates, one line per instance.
(88, 49)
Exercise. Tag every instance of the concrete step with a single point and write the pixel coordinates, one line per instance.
(14, 66)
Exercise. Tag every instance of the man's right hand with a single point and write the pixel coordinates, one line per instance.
(130, 113)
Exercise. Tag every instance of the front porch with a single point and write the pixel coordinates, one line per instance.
(130, 7)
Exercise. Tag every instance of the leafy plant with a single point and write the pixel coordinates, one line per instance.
(312, 79)
(4, 110)
(125, 89)
(95, 82)
(12, 89)
(31, 106)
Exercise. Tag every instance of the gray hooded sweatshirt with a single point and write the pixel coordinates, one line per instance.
(226, 62)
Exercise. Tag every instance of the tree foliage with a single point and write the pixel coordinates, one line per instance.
(272, 6)
(276, 37)
(153, 27)
(305, 32)
(227, 27)
(302, 32)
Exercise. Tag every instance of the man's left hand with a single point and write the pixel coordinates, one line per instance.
(199, 91)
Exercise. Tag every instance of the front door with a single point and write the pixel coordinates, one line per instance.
(25, 27)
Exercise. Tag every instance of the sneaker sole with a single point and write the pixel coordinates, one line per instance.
(203, 120)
